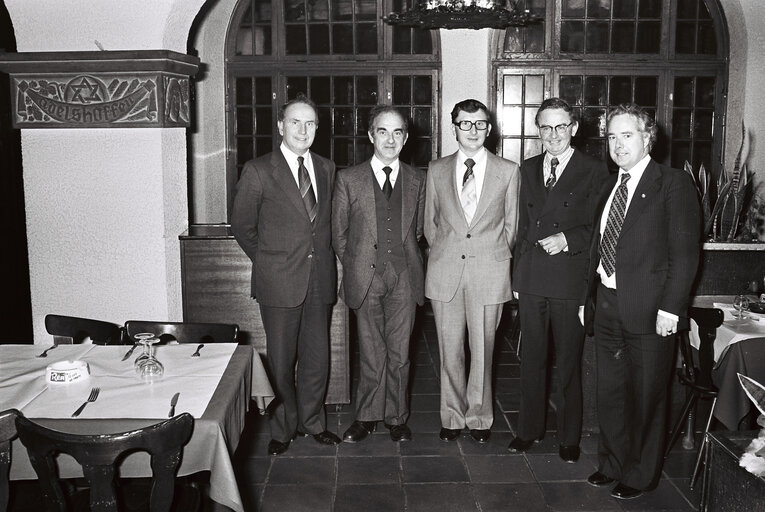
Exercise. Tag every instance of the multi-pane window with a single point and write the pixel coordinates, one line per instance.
(342, 56)
(666, 56)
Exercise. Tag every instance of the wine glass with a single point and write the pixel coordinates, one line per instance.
(741, 304)
(150, 368)
(139, 338)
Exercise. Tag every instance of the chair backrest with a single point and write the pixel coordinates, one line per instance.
(7, 432)
(99, 456)
(185, 332)
(72, 329)
(708, 320)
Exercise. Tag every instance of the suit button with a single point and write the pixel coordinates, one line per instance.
(463, 256)
(372, 265)
(565, 204)
(531, 205)
(375, 246)
(468, 235)
(310, 256)
(539, 223)
(555, 224)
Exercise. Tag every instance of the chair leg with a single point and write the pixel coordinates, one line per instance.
(690, 402)
(703, 446)
(689, 442)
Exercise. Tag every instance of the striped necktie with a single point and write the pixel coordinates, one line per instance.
(613, 227)
(468, 194)
(306, 190)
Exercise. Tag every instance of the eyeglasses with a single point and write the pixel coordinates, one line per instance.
(546, 131)
(466, 125)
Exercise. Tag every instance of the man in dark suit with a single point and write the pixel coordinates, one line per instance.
(645, 262)
(557, 207)
(471, 216)
(377, 216)
(281, 219)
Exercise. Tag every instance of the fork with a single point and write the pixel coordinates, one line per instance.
(44, 353)
(196, 354)
(91, 398)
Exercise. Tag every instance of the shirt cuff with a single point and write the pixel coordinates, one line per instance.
(669, 315)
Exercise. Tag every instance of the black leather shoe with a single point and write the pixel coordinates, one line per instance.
(399, 432)
(598, 479)
(449, 434)
(519, 445)
(625, 492)
(326, 437)
(480, 435)
(358, 431)
(569, 454)
(277, 447)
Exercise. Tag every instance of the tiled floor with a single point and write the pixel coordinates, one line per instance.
(427, 474)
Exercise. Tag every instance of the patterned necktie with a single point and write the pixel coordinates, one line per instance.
(387, 187)
(468, 194)
(550, 183)
(306, 190)
(613, 227)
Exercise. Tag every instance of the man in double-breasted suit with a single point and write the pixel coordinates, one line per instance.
(377, 215)
(281, 219)
(642, 265)
(471, 211)
(556, 215)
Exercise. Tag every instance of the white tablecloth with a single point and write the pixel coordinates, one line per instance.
(732, 330)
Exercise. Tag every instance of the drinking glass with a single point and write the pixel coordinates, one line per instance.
(139, 338)
(741, 304)
(150, 368)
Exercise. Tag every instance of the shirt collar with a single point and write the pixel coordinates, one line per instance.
(377, 165)
(479, 158)
(291, 156)
(637, 170)
(563, 157)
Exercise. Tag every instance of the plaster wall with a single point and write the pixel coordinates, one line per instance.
(104, 206)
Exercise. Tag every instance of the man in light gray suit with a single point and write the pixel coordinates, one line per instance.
(471, 211)
(377, 216)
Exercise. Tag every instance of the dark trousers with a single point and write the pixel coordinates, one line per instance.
(539, 316)
(385, 321)
(633, 372)
(298, 334)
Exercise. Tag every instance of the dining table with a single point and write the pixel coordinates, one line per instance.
(216, 388)
(738, 348)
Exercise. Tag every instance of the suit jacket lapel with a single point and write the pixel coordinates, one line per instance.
(491, 181)
(366, 195)
(283, 176)
(649, 185)
(566, 183)
(322, 184)
(409, 188)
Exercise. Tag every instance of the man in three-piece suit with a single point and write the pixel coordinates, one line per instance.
(556, 217)
(377, 216)
(644, 254)
(471, 209)
(281, 219)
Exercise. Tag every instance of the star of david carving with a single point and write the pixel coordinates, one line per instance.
(85, 91)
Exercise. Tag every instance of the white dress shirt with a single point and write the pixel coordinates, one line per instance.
(563, 159)
(377, 169)
(292, 161)
(479, 171)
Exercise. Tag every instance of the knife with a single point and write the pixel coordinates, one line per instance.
(173, 402)
(129, 352)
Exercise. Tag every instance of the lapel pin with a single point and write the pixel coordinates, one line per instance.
(642, 195)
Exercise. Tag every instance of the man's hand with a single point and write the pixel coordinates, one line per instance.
(581, 315)
(665, 326)
(553, 244)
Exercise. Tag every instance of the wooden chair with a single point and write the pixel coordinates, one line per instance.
(72, 329)
(698, 380)
(99, 456)
(7, 433)
(185, 332)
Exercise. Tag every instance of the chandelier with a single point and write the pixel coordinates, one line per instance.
(471, 14)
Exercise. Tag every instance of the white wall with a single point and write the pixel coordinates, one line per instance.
(104, 206)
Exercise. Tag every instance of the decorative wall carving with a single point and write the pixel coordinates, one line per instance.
(134, 89)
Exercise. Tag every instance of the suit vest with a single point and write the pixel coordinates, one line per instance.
(390, 247)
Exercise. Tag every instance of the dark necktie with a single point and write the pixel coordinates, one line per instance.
(613, 227)
(387, 187)
(306, 190)
(550, 183)
(468, 195)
